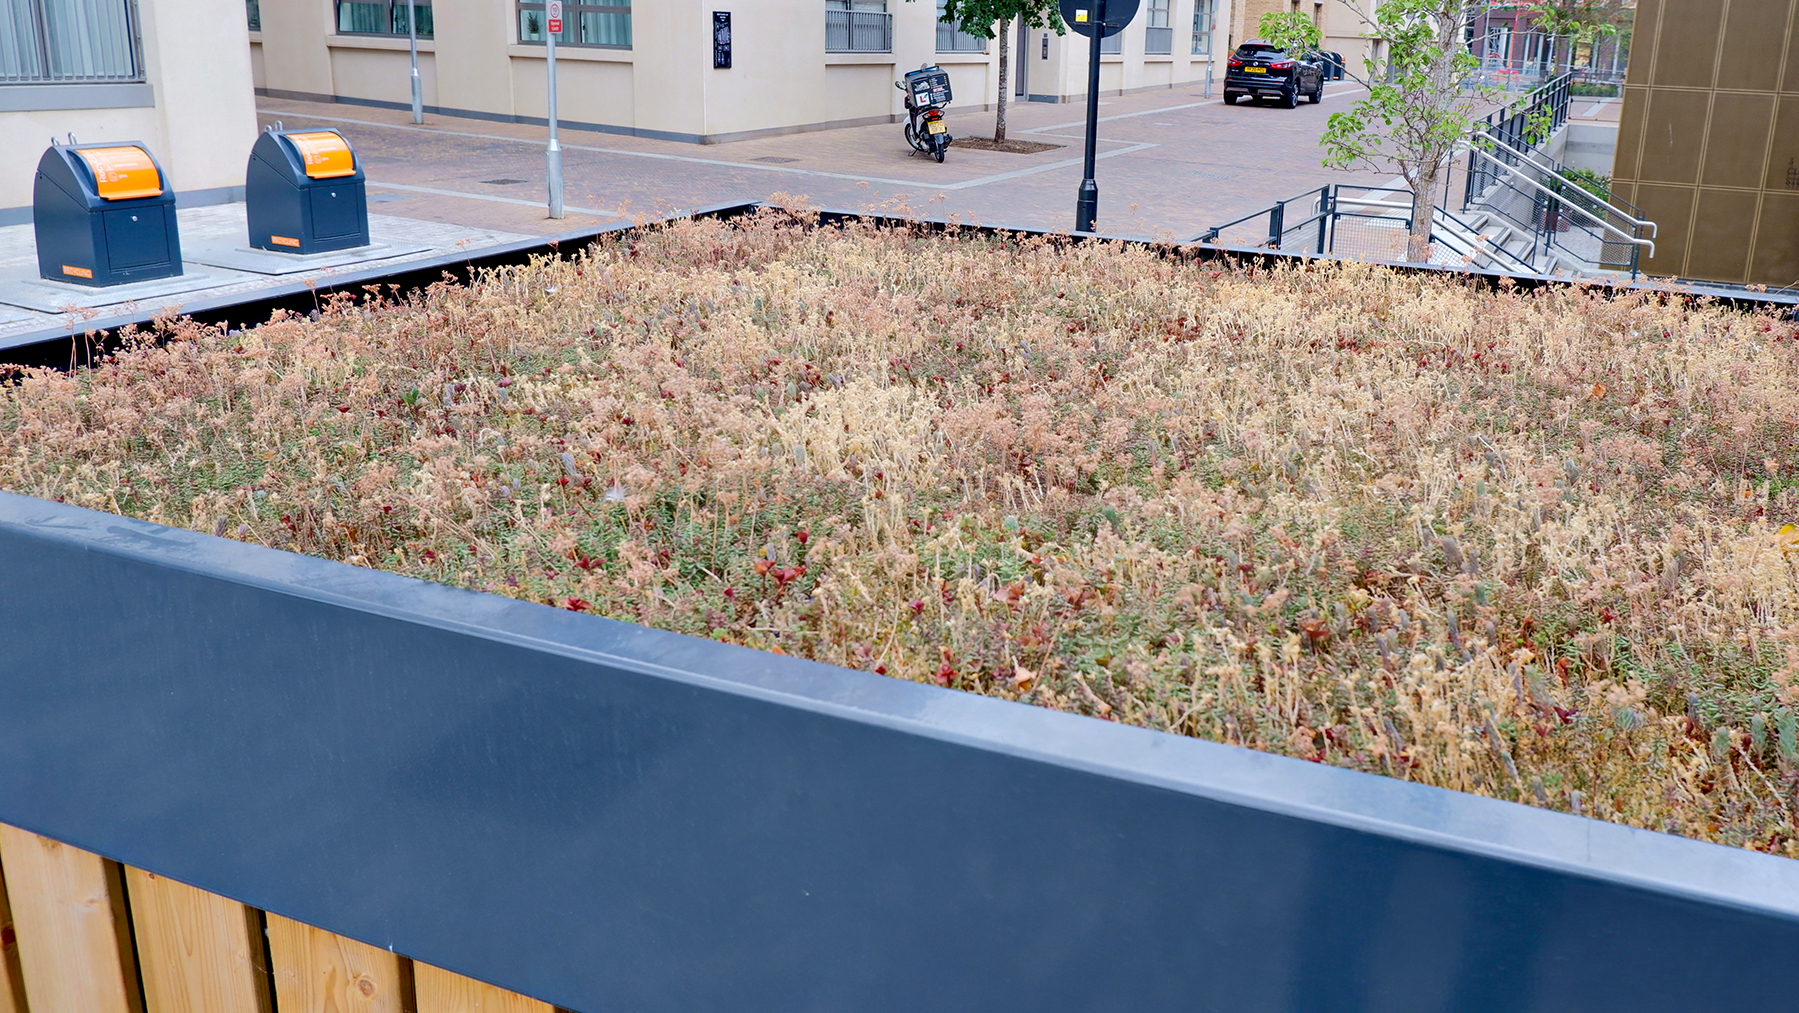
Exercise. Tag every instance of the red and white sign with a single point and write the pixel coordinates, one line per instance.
(555, 7)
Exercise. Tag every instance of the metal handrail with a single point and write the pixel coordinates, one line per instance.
(1608, 205)
(1480, 247)
(1607, 226)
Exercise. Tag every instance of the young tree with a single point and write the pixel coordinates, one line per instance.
(990, 19)
(1417, 109)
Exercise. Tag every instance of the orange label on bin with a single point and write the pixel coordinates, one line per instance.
(77, 272)
(325, 154)
(284, 241)
(122, 173)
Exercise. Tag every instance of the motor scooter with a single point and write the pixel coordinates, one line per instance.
(927, 92)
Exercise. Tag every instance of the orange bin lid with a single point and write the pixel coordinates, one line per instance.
(122, 173)
(325, 153)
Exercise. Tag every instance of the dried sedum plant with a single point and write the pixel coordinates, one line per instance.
(1528, 546)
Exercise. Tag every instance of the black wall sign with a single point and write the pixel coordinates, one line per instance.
(721, 40)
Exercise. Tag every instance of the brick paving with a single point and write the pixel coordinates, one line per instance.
(1172, 163)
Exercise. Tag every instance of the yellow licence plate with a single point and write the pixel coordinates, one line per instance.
(939, 127)
(1255, 70)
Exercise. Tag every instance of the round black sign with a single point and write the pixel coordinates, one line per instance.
(1082, 15)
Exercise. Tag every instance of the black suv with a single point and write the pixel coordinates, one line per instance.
(1259, 70)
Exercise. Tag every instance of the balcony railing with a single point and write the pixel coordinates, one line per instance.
(858, 32)
(951, 39)
(1158, 41)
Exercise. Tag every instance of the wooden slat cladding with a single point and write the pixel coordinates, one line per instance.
(68, 912)
(12, 983)
(199, 953)
(318, 972)
(80, 934)
(440, 991)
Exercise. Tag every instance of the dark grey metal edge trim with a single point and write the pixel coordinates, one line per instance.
(353, 280)
(1368, 803)
(262, 299)
(50, 97)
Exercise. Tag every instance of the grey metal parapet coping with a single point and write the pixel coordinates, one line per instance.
(609, 817)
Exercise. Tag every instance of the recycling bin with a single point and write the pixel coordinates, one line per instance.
(305, 193)
(104, 214)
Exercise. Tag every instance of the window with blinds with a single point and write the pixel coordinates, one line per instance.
(1158, 37)
(69, 42)
(952, 39)
(598, 25)
(382, 17)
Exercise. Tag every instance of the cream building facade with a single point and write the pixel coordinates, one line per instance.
(645, 67)
(174, 74)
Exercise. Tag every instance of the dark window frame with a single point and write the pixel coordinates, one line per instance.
(44, 54)
(571, 23)
(394, 14)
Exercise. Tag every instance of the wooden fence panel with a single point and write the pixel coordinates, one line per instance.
(441, 991)
(68, 910)
(319, 972)
(200, 952)
(12, 984)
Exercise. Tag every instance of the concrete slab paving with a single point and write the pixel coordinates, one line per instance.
(23, 289)
(254, 261)
(34, 305)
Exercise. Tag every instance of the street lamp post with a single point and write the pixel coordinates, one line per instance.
(1086, 203)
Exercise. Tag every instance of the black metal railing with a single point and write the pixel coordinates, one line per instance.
(1566, 213)
(1521, 125)
(1363, 223)
(858, 32)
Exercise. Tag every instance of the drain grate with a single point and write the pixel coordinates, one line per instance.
(773, 158)
(502, 182)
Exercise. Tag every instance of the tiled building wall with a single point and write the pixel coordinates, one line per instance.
(1708, 146)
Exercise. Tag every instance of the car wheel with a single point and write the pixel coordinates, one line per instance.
(1230, 99)
(1317, 95)
(1290, 97)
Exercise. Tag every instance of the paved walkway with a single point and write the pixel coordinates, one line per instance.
(1171, 163)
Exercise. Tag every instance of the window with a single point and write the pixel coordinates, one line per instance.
(69, 41)
(1205, 18)
(952, 39)
(253, 8)
(1112, 45)
(381, 17)
(599, 25)
(858, 26)
(1158, 38)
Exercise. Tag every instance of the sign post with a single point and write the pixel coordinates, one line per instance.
(412, 39)
(1096, 19)
(553, 157)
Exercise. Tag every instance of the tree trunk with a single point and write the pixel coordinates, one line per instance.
(1005, 52)
(1423, 188)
